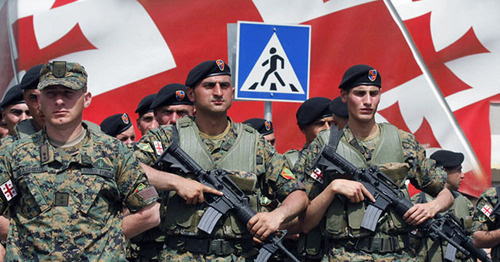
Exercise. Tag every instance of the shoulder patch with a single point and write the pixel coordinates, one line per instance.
(286, 173)
(158, 147)
(487, 210)
(145, 147)
(317, 175)
(8, 190)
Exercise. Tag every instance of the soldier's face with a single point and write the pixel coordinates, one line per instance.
(62, 106)
(454, 177)
(168, 115)
(14, 114)
(312, 130)
(147, 122)
(31, 98)
(362, 102)
(214, 95)
(127, 136)
(270, 138)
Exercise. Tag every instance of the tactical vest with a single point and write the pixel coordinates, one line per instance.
(344, 219)
(239, 161)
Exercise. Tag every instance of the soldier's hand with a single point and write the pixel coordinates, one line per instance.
(264, 224)
(353, 190)
(192, 191)
(418, 213)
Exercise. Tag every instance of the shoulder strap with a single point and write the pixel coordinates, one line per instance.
(175, 135)
(335, 136)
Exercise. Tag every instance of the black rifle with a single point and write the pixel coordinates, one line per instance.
(386, 193)
(233, 198)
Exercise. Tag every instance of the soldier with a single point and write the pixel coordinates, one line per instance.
(264, 127)
(462, 208)
(146, 119)
(171, 103)
(365, 143)
(66, 185)
(14, 109)
(215, 141)
(314, 116)
(119, 126)
(29, 84)
(487, 222)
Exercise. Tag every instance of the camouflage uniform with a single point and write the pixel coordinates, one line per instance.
(485, 219)
(180, 228)
(342, 220)
(430, 250)
(69, 200)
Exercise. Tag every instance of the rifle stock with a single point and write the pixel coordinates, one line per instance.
(233, 198)
(387, 193)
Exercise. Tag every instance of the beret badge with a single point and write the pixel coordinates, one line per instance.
(372, 75)
(179, 95)
(220, 64)
(125, 118)
(267, 124)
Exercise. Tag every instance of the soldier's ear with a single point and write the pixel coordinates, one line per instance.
(87, 99)
(190, 93)
(343, 95)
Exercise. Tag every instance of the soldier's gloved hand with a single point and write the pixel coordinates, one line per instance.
(192, 191)
(352, 190)
(264, 224)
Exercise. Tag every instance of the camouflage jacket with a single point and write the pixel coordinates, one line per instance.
(66, 203)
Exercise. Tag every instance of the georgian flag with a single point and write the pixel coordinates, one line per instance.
(8, 190)
(438, 60)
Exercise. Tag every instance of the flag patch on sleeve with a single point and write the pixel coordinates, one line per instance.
(486, 210)
(8, 190)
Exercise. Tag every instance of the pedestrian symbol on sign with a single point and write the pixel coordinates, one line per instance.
(274, 70)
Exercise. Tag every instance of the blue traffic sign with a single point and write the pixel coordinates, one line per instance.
(272, 62)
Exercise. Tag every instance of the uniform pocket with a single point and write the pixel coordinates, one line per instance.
(33, 201)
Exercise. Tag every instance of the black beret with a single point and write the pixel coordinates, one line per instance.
(115, 124)
(264, 127)
(206, 69)
(447, 159)
(13, 96)
(145, 105)
(171, 94)
(31, 78)
(338, 108)
(313, 109)
(360, 75)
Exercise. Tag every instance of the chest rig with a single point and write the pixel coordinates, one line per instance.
(239, 160)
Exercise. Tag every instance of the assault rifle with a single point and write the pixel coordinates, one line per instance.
(385, 192)
(233, 198)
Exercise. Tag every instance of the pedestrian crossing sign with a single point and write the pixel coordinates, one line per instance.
(272, 62)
